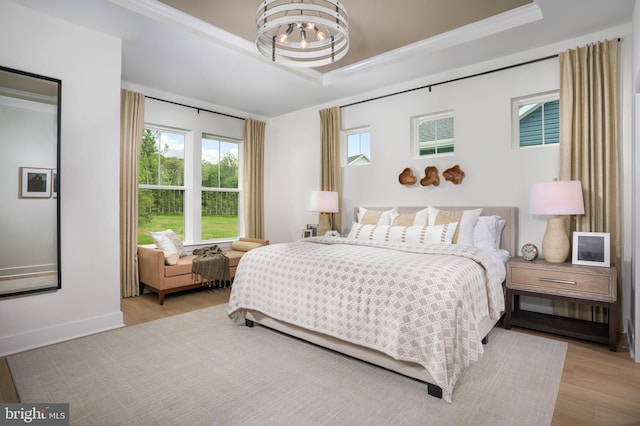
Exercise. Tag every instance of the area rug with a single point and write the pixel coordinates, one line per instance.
(199, 368)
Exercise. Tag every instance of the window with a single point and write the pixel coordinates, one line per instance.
(432, 134)
(161, 187)
(220, 192)
(536, 120)
(358, 147)
(200, 203)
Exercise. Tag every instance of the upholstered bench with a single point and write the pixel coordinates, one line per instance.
(163, 279)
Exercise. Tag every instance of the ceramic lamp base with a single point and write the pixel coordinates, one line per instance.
(555, 244)
(323, 224)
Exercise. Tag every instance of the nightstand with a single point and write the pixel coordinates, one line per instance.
(589, 285)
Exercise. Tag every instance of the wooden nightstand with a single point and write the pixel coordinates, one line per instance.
(587, 285)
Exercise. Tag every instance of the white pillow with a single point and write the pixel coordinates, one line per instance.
(440, 234)
(467, 221)
(419, 218)
(169, 241)
(375, 216)
(484, 233)
(177, 242)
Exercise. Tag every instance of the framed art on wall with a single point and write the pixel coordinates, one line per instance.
(591, 248)
(35, 182)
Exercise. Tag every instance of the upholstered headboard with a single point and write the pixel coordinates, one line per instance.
(509, 239)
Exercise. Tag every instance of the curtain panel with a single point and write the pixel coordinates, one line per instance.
(330, 171)
(131, 128)
(253, 178)
(589, 149)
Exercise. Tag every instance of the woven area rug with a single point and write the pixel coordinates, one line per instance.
(200, 368)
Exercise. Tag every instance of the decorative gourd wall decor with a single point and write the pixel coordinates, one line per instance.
(431, 177)
(454, 174)
(407, 177)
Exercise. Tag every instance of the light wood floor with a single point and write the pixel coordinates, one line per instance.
(598, 387)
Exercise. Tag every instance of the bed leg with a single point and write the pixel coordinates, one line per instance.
(248, 322)
(485, 340)
(434, 390)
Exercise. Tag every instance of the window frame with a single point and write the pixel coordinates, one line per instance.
(192, 183)
(415, 134)
(345, 145)
(516, 103)
(202, 188)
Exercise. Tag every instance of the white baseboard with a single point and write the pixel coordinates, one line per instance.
(46, 336)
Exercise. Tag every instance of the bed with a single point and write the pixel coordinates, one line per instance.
(418, 300)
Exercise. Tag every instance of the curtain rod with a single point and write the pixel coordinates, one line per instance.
(429, 86)
(192, 107)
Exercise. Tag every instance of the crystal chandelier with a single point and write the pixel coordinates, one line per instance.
(302, 34)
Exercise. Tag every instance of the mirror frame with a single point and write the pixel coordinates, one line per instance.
(58, 175)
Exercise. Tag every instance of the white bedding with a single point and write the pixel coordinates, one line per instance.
(413, 302)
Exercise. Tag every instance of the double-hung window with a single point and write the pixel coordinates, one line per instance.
(220, 190)
(161, 182)
(199, 203)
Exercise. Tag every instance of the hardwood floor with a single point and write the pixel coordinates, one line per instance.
(598, 387)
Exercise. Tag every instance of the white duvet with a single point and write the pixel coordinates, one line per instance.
(418, 303)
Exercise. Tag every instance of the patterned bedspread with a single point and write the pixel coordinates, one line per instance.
(418, 303)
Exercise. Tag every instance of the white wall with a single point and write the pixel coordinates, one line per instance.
(496, 173)
(88, 63)
(634, 316)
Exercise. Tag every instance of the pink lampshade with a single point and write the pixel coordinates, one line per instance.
(557, 198)
(324, 202)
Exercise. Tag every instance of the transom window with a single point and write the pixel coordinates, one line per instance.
(358, 144)
(536, 120)
(432, 134)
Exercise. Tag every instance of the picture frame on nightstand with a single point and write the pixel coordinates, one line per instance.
(591, 249)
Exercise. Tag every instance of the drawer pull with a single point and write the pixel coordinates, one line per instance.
(555, 280)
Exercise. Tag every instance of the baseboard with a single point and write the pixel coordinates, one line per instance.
(59, 333)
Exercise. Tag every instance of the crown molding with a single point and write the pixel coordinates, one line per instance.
(504, 21)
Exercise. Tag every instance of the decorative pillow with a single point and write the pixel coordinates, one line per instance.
(177, 242)
(440, 234)
(244, 245)
(466, 219)
(488, 232)
(165, 243)
(375, 217)
(419, 218)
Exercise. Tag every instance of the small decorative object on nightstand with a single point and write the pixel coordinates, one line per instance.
(530, 252)
(587, 285)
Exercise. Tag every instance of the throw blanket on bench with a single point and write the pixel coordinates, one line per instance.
(211, 265)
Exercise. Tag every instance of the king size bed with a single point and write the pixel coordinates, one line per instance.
(415, 290)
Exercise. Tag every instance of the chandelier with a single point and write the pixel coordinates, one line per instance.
(302, 34)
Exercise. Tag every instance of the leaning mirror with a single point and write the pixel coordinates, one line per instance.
(29, 181)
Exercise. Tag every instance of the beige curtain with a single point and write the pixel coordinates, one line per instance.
(253, 178)
(131, 127)
(330, 158)
(589, 145)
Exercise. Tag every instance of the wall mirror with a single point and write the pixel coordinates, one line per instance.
(29, 181)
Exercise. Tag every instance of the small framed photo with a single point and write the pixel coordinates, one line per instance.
(35, 182)
(591, 248)
(313, 228)
(306, 233)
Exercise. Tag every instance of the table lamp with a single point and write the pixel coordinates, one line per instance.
(557, 198)
(324, 202)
